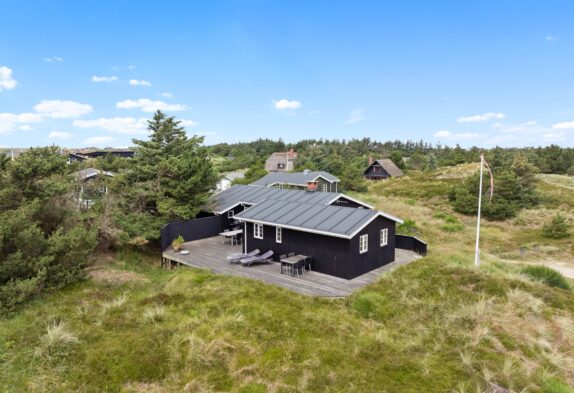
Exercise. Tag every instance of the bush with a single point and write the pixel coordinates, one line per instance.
(408, 226)
(367, 303)
(511, 193)
(452, 227)
(547, 275)
(557, 228)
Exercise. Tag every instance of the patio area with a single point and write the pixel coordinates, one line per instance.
(211, 254)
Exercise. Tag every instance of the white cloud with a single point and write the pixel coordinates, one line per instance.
(60, 135)
(10, 121)
(166, 95)
(551, 38)
(566, 125)
(99, 79)
(7, 82)
(147, 105)
(480, 118)
(98, 140)
(61, 109)
(554, 137)
(455, 136)
(286, 104)
(131, 67)
(139, 82)
(355, 116)
(25, 127)
(120, 125)
(53, 59)
(187, 123)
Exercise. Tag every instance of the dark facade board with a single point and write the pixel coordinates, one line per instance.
(331, 255)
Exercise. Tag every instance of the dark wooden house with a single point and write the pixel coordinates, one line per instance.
(343, 236)
(382, 169)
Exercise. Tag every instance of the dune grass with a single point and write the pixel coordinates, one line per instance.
(436, 325)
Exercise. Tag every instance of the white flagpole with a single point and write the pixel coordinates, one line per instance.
(477, 252)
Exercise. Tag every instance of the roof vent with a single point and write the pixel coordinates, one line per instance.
(306, 172)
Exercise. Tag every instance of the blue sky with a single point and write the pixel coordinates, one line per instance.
(82, 73)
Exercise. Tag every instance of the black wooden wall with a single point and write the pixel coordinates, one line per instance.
(380, 173)
(412, 243)
(198, 228)
(225, 221)
(331, 255)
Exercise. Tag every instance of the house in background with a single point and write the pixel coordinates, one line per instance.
(226, 180)
(281, 161)
(345, 237)
(306, 180)
(382, 169)
(81, 155)
(91, 186)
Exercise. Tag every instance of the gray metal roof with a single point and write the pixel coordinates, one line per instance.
(225, 200)
(328, 220)
(90, 172)
(297, 178)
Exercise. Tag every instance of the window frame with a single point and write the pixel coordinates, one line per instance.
(257, 234)
(278, 235)
(364, 244)
(324, 187)
(384, 237)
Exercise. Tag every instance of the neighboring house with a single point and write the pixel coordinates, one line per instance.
(382, 169)
(225, 181)
(306, 180)
(85, 154)
(281, 161)
(91, 186)
(343, 236)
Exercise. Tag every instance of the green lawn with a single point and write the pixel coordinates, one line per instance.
(436, 325)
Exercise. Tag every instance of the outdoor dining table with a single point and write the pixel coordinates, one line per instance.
(292, 261)
(230, 234)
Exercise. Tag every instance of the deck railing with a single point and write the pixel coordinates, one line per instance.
(411, 243)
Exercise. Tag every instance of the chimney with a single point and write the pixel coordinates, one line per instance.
(311, 186)
(370, 160)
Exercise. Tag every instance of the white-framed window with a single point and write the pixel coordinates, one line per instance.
(384, 237)
(258, 231)
(230, 214)
(278, 234)
(363, 244)
(324, 187)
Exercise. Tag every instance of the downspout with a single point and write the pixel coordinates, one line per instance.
(245, 237)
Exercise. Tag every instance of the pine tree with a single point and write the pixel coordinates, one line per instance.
(171, 178)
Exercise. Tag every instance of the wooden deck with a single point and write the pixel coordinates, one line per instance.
(211, 254)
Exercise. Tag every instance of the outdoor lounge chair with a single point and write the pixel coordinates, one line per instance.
(235, 258)
(265, 258)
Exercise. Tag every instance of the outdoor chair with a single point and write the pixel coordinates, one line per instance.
(235, 258)
(265, 258)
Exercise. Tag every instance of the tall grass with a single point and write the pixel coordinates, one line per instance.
(547, 275)
(58, 341)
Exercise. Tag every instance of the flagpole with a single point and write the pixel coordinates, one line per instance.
(476, 251)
